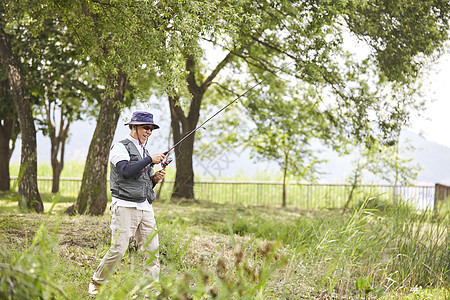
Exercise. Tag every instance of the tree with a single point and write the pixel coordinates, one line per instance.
(311, 34)
(28, 188)
(384, 161)
(53, 71)
(282, 130)
(159, 34)
(58, 83)
(9, 129)
(92, 197)
(384, 158)
(183, 123)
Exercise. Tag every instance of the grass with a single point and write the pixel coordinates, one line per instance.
(232, 251)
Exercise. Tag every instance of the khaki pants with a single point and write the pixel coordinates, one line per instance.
(127, 222)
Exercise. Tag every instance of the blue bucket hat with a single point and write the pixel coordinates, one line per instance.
(142, 118)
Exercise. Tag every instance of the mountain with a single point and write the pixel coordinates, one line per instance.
(432, 157)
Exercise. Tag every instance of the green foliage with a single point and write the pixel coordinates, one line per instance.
(384, 161)
(399, 40)
(55, 71)
(161, 34)
(363, 285)
(283, 131)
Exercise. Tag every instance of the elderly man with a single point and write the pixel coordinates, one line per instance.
(132, 181)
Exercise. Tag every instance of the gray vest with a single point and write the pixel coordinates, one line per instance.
(138, 188)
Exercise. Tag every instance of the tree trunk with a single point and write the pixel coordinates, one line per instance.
(6, 131)
(184, 178)
(7, 123)
(182, 125)
(58, 143)
(397, 173)
(92, 198)
(158, 194)
(56, 169)
(353, 187)
(28, 189)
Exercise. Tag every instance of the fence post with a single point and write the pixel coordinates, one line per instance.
(436, 196)
(441, 193)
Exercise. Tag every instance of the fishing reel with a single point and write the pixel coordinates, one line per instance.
(164, 163)
(167, 161)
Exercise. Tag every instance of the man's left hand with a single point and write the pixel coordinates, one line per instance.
(159, 175)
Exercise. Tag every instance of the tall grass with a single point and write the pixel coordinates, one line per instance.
(236, 251)
(367, 252)
(398, 249)
(28, 274)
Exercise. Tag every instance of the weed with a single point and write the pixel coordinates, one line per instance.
(234, 251)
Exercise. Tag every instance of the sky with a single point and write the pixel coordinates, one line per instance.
(435, 124)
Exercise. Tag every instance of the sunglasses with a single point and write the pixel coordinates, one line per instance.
(146, 127)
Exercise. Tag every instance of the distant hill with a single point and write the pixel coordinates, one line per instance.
(234, 163)
(432, 157)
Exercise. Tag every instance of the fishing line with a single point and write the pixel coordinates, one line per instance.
(168, 159)
(225, 107)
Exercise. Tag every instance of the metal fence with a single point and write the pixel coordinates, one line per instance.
(309, 195)
(305, 195)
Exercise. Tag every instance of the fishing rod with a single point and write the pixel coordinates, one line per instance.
(169, 159)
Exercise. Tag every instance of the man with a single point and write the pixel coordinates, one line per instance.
(132, 181)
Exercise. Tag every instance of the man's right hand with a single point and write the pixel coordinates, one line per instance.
(157, 158)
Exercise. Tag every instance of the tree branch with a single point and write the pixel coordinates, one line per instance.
(225, 88)
(219, 67)
(177, 111)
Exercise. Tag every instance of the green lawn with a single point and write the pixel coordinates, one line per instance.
(235, 251)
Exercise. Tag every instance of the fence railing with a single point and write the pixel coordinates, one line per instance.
(305, 195)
